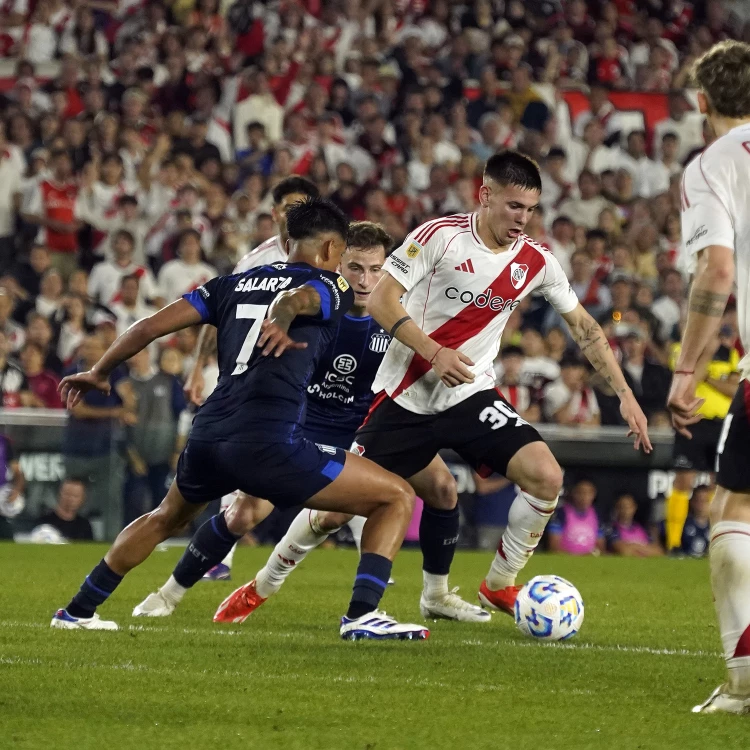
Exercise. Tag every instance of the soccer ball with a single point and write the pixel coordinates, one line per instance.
(549, 608)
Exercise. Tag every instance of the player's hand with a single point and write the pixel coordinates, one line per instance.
(638, 425)
(193, 388)
(73, 387)
(683, 403)
(450, 365)
(275, 340)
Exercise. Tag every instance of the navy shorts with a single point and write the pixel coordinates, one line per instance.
(286, 474)
(323, 435)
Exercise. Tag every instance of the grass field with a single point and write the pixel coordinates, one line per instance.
(647, 652)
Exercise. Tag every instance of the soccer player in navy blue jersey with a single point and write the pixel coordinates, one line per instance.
(273, 324)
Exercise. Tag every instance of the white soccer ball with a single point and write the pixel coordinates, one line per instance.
(549, 608)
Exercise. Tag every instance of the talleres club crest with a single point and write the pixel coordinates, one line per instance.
(518, 273)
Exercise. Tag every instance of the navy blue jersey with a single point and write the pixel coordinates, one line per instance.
(340, 390)
(257, 397)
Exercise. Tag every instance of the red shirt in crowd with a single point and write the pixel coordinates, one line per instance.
(57, 201)
(44, 386)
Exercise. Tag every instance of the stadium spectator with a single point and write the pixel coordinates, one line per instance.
(14, 333)
(670, 304)
(152, 442)
(15, 388)
(40, 332)
(697, 529)
(42, 383)
(575, 528)
(12, 485)
(591, 202)
(519, 396)
(188, 271)
(625, 536)
(65, 516)
(648, 379)
(570, 400)
(10, 202)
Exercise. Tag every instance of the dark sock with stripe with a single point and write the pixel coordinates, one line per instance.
(438, 537)
(369, 585)
(208, 547)
(95, 590)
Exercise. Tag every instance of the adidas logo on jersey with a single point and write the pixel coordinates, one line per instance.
(467, 267)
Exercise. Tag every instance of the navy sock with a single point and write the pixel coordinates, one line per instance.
(208, 547)
(438, 536)
(369, 585)
(95, 590)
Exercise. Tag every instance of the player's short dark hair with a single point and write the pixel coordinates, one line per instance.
(291, 185)
(723, 73)
(513, 168)
(369, 234)
(314, 216)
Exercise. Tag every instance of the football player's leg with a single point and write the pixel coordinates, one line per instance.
(534, 469)
(729, 556)
(132, 546)
(387, 501)
(438, 537)
(223, 571)
(209, 545)
(308, 530)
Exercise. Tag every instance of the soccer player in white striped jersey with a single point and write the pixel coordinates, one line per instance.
(460, 278)
(716, 233)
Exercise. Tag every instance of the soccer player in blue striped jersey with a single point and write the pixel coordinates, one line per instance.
(273, 324)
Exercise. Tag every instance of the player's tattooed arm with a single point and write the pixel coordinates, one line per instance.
(274, 338)
(588, 334)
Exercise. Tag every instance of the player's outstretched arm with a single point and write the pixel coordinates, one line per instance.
(712, 285)
(385, 306)
(588, 334)
(180, 314)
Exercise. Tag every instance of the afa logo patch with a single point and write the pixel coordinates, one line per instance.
(413, 250)
(343, 285)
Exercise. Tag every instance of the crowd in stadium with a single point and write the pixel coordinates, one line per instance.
(140, 143)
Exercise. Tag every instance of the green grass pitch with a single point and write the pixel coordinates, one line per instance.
(648, 651)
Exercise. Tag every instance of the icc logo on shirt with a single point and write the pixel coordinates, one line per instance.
(379, 342)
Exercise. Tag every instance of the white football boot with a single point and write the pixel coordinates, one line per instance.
(378, 626)
(720, 702)
(155, 605)
(63, 621)
(452, 607)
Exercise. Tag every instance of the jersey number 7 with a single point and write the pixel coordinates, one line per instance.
(256, 313)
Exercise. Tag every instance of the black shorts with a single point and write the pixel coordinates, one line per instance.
(733, 452)
(699, 452)
(484, 430)
(286, 474)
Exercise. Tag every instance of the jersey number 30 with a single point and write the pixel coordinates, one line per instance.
(256, 313)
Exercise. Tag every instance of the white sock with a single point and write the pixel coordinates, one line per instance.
(230, 556)
(527, 520)
(355, 526)
(435, 586)
(172, 591)
(730, 580)
(303, 536)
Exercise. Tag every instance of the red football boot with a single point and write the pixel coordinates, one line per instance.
(502, 600)
(239, 605)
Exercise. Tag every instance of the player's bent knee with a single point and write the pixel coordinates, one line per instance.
(240, 516)
(330, 521)
(547, 482)
(444, 493)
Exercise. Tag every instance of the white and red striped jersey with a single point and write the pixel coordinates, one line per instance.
(270, 251)
(715, 199)
(461, 294)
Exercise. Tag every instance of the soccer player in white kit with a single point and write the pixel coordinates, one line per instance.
(460, 278)
(716, 236)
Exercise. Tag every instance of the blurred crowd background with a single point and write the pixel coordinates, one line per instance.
(140, 143)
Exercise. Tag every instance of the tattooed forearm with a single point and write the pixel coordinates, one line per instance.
(590, 337)
(705, 302)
